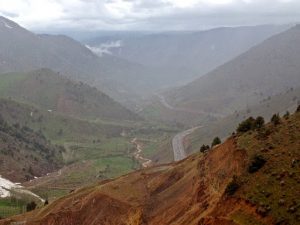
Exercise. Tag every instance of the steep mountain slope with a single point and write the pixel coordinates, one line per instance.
(95, 150)
(223, 127)
(54, 92)
(182, 56)
(25, 153)
(22, 50)
(227, 185)
(267, 69)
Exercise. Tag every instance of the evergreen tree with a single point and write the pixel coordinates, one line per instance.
(275, 119)
(216, 141)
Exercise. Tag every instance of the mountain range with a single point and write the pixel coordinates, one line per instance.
(265, 70)
(179, 57)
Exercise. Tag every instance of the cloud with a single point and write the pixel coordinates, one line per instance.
(146, 14)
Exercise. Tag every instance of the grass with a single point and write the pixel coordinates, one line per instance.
(241, 217)
(277, 181)
(8, 80)
(95, 149)
(9, 208)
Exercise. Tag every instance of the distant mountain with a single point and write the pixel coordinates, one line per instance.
(265, 70)
(143, 64)
(22, 50)
(182, 56)
(54, 92)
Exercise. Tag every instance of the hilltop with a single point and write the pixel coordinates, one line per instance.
(252, 178)
(55, 92)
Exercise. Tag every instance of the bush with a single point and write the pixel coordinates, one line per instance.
(257, 162)
(232, 187)
(259, 122)
(251, 124)
(286, 115)
(204, 148)
(216, 141)
(31, 206)
(246, 125)
(275, 119)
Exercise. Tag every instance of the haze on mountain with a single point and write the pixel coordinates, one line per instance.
(180, 112)
(265, 70)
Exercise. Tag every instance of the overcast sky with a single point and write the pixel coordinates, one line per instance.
(147, 14)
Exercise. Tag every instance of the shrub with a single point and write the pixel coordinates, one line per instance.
(275, 119)
(251, 124)
(232, 187)
(286, 115)
(246, 125)
(263, 133)
(204, 148)
(30, 206)
(257, 162)
(259, 122)
(216, 141)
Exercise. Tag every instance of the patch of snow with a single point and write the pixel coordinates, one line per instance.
(50, 110)
(7, 26)
(7, 186)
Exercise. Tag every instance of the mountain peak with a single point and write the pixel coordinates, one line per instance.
(4, 22)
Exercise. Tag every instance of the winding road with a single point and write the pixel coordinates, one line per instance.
(177, 144)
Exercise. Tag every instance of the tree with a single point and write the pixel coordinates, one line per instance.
(286, 115)
(259, 122)
(275, 119)
(216, 141)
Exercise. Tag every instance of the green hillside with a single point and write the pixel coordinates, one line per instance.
(26, 153)
(53, 92)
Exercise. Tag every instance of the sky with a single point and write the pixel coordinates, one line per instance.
(87, 15)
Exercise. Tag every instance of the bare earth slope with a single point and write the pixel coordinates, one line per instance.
(192, 191)
(170, 194)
